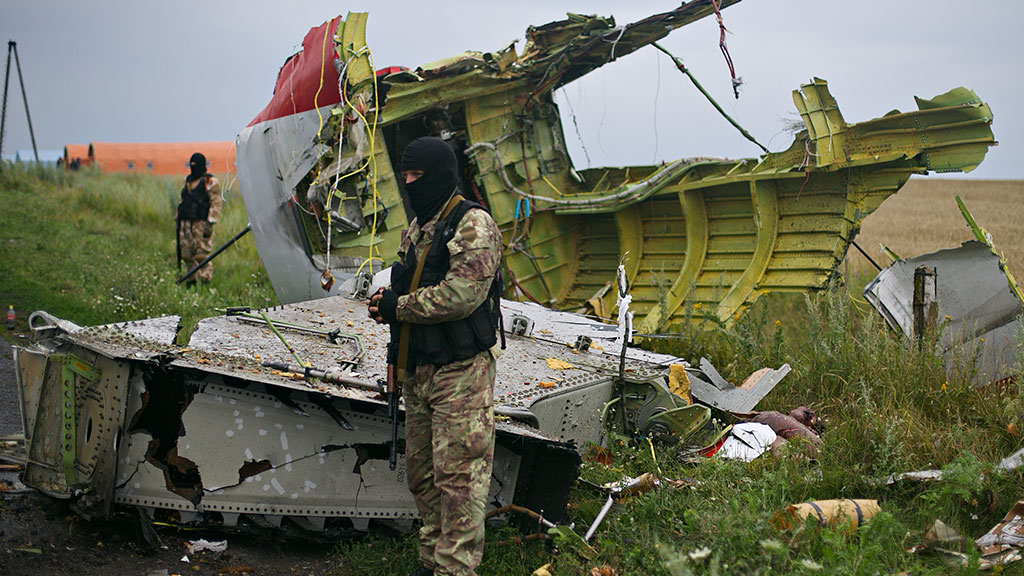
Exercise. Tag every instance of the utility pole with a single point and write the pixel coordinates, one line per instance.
(12, 48)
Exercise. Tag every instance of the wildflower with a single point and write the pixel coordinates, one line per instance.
(982, 338)
(772, 545)
(700, 554)
(811, 565)
(943, 388)
(778, 322)
(697, 305)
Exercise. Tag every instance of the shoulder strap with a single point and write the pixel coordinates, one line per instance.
(198, 182)
(447, 222)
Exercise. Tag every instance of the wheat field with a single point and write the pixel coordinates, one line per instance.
(923, 217)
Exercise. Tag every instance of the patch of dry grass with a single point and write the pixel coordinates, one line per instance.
(923, 217)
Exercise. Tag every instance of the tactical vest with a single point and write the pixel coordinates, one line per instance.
(195, 202)
(446, 342)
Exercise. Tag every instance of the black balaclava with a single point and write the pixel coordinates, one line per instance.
(428, 193)
(197, 163)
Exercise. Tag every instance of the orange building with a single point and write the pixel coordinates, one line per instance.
(74, 152)
(163, 158)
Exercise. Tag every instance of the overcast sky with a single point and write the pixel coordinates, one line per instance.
(190, 70)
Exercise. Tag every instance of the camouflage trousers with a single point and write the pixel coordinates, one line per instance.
(196, 237)
(449, 440)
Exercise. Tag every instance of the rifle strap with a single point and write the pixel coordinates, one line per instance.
(404, 336)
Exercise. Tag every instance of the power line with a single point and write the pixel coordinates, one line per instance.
(12, 48)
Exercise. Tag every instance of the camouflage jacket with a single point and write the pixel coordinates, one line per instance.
(213, 191)
(475, 254)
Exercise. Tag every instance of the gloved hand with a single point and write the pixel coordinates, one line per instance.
(383, 306)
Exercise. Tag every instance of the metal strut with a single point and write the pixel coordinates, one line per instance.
(12, 47)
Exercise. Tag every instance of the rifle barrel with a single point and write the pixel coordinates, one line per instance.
(215, 253)
(393, 414)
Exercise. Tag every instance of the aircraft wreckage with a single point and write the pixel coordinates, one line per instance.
(972, 291)
(278, 414)
(317, 172)
(231, 426)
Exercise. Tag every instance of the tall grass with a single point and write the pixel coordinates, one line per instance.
(95, 248)
(889, 408)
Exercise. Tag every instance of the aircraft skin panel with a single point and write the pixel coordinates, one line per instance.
(297, 89)
(278, 239)
(974, 301)
(271, 205)
(208, 428)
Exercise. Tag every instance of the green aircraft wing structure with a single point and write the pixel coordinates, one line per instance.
(701, 238)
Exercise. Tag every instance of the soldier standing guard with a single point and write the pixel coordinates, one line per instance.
(198, 211)
(443, 308)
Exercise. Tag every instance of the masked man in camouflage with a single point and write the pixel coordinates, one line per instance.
(443, 310)
(198, 211)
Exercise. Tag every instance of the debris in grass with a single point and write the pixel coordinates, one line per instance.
(544, 570)
(1011, 462)
(1003, 544)
(1000, 546)
(971, 288)
(203, 544)
(828, 512)
(748, 441)
(623, 491)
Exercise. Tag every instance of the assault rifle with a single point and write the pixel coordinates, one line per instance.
(393, 394)
(212, 255)
(177, 239)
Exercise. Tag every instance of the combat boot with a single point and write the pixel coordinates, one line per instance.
(422, 571)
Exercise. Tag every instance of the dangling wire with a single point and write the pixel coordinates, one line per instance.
(682, 68)
(736, 82)
(316, 96)
(572, 111)
(358, 109)
(657, 92)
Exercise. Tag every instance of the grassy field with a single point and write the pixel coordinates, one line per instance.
(98, 249)
(95, 248)
(923, 217)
